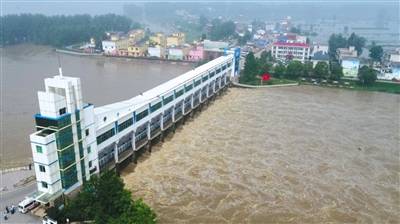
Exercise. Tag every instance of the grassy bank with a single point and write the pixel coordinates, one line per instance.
(272, 81)
(354, 85)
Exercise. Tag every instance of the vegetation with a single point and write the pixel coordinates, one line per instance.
(104, 200)
(250, 71)
(60, 30)
(367, 75)
(376, 52)
(321, 70)
(356, 41)
(294, 70)
(336, 71)
(338, 41)
(221, 30)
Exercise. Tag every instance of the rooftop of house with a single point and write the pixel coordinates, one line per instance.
(291, 44)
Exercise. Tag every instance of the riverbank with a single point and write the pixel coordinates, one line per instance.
(378, 86)
(78, 53)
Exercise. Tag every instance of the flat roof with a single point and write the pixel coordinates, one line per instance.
(130, 105)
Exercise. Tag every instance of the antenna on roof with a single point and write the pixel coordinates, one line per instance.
(59, 66)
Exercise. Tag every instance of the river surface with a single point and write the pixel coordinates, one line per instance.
(285, 155)
(104, 80)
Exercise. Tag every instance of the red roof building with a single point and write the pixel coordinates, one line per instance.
(295, 51)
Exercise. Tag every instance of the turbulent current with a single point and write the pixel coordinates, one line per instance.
(297, 154)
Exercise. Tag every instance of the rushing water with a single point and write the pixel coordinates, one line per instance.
(104, 80)
(297, 154)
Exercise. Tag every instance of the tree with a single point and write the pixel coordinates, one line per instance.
(336, 71)
(367, 75)
(356, 41)
(104, 200)
(279, 71)
(251, 69)
(243, 40)
(308, 70)
(221, 30)
(294, 70)
(336, 41)
(376, 52)
(321, 70)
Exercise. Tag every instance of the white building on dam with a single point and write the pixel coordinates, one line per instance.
(74, 140)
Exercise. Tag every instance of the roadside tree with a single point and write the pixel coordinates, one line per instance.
(279, 71)
(367, 75)
(251, 69)
(336, 71)
(294, 70)
(376, 52)
(321, 70)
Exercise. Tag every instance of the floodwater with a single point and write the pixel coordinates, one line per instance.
(285, 155)
(104, 80)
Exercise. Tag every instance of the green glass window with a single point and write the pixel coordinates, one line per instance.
(229, 64)
(168, 99)
(142, 115)
(179, 93)
(212, 74)
(42, 168)
(44, 184)
(198, 82)
(81, 150)
(69, 177)
(77, 115)
(88, 149)
(125, 124)
(156, 106)
(106, 135)
(66, 157)
(223, 67)
(205, 78)
(64, 138)
(39, 149)
(218, 70)
(188, 87)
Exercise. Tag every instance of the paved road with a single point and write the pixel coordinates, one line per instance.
(13, 198)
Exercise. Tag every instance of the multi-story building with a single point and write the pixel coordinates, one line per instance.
(75, 140)
(158, 39)
(64, 145)
(109, 47)
(136, 35)
(295, 51)
(176, 39)
(137, 50)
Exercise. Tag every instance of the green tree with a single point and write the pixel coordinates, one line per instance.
(243, 40)
(104, 200)
(294, 70)
(321, 70)
(376, 52)
(308, 70)
(356, 41)
(336, 71)
(279, 71)
(367, 75)
(336, 41)
(221, 30)
(251, 69)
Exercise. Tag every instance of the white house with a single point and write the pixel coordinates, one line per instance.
(109, 47)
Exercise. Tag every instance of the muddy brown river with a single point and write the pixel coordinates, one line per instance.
(285, 155)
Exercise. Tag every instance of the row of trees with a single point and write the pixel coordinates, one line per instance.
(254, 67)
(60, 30)
(105, 201)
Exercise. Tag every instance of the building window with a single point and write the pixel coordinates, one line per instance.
(42, 168)
(44, 184)
(39, 149)
(63, 111)
(87, 132)
(88, 149)
(90, 164)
